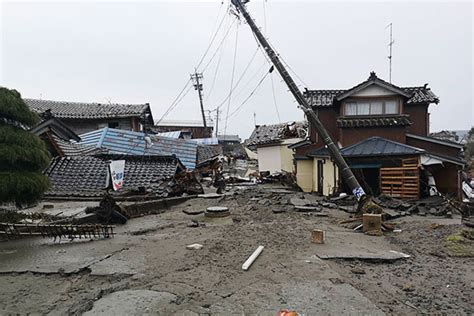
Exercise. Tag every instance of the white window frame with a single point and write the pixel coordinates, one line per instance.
(364, 102)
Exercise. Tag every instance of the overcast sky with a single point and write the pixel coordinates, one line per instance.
(138, 52)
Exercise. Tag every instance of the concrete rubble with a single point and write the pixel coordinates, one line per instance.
(183, 256)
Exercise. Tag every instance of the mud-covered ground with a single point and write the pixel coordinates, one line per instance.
(149, 257)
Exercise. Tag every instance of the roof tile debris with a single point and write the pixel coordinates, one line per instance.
(275, 133)
(86, 176)
(326, 98)
(74, 149)
(124, 142)
(206, 152)
(373, 121)
(80, 110)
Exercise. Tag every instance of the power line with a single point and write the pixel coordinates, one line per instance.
(232, 77)
(275, 100)
(219, 46)
(238, 80)
(212, 41)
(253, 91)
(179, 97)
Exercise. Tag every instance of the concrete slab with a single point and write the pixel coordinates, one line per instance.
(325, 298)
(46, 256)
(134, 302)
(352, 245)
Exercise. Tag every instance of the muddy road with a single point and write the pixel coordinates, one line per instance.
(146, 268)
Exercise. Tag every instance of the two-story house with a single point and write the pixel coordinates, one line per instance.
(382, 130)
(84, 117)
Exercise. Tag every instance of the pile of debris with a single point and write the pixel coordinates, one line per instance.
(393, 207)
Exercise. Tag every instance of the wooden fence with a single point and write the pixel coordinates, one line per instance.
(402, 182)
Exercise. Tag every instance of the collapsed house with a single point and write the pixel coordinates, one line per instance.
(87, 176)
(85, 117)
(382, 130)
(60, 140)
(271, 144)
(123, 142)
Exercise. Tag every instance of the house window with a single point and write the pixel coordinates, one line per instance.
(113, 124)
(376, 107)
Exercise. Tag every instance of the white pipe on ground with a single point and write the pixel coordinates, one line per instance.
(252, 258)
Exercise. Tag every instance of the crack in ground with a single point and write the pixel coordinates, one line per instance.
(82, 270)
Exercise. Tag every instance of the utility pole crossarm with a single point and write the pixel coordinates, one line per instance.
(313, 119)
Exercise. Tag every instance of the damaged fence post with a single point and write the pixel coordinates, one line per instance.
(252, 258)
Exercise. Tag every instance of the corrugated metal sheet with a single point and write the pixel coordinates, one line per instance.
(206, 141)
(175, 134)
(133, 143)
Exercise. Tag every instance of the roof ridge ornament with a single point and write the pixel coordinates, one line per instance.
(373, 75)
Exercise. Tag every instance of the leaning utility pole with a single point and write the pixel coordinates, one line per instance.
(313, 119)
(198, 86)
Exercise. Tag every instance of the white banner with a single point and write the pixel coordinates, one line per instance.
(117, 168)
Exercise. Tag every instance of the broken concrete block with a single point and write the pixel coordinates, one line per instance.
(372, 222)
(318, 236)
(358, 270)
(299, 202)
(349, 209)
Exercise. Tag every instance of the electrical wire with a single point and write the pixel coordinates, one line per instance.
(212, 40)
(232, 77)
(174, 102)
(271, 76)
(252, 93)
(238, 81)
(179, 97)
(219, 48)
(275, 100)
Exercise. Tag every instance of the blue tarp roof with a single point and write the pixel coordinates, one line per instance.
(124, 142)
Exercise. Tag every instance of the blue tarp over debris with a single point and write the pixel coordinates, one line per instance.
(123, 142)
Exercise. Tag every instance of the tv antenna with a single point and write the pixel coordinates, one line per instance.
(390, 44)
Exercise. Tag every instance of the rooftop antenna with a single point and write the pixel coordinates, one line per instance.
(390, 56)
(254, 119)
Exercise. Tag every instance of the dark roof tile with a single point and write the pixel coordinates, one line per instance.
(373, 121)
(268, 134)
(80, 110)
(86, 175)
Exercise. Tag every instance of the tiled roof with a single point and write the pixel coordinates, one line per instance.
(74, 149)
(133, 143)
(205, 152)
(421, 95)
(85, 176)
(229, 138)
(56, 126)
(373, 146)
(373, 121)
(267, 134)
(80, 110)
(326, 98)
